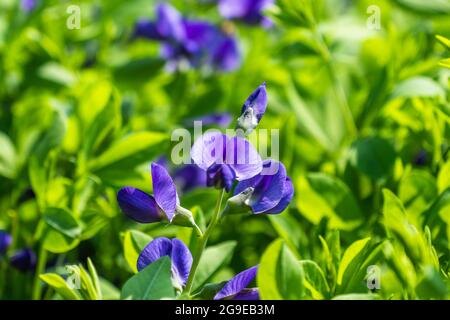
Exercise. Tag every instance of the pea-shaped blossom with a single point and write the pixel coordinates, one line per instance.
(146, 208)
(248, 11)
(236, 288)
(269, 192)
(253, 109)
(5, 242)
(178, 253)
(24, 260)
(28, 5)
(196, 42)
(225, 159)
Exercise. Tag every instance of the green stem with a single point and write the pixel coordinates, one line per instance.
(42, 260)
(202, 243)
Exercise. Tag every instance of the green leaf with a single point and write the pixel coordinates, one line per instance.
(426, 7)
(315, 280)
(133, 243)
(152, 283)
(357, 296)
(61, 231)
(95, 278)
(280, 275)
(325, 196)
(212, 260)
(60, 286)
(8, 157)
(351, 262)
(418, 87)
(432, 285)
(130, 151)
(373, 156)
(56, 73)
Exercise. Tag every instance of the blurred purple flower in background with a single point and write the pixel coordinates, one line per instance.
(236, 288)
(24, 260)
(248, 11)
(28, 5)
(5, 242)
(146, 208)
(189, 177)
(199, 43)
(222, 120)
(269, 194)
(225, 159)
(178, 253)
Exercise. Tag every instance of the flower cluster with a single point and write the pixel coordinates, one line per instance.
(192, 42)
(229, 162)
(23, 260)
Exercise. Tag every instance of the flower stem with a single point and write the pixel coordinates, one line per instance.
(42, 260)
(203, 241)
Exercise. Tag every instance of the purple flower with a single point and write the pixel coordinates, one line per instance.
(146, 208)
(222, 120)
(28, 5)
(5, 242)
(178, 253)
(225, 159)
(189, 177)
(236, 288)
(269, 192)
(24, 260)
(248, 11)
(253, 109)
(196, 42)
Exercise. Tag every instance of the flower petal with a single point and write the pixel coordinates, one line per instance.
(226, 56)
(189, 177)
(5, 241)
(243, 158)
(231, 9)
(220, 176)
(247, 294)
(146, 29)
(169, 22)
(288, 193)
(164, 190)
(138, 205)
(257, 101)
(156, 249)
(181, 261)
(24, 260)
(237, 284)
(208, 149)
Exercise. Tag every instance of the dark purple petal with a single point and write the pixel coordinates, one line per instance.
(198, 35)
(226, 56)
(138, 205)
(24, 260)
(181, 261)
(271, 192)
(220, 176)
(169, 23)
(243, 158)
(164, 190)
(178, 253)
(247, 294)
(208, 149)
(257, 101)
(237, 284)
(147, 29)
(288, 194)
(156, 249)
(5, 242)
(189, 177)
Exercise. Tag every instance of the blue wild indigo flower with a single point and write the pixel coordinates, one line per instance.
(178, 253)
(247, 11)
(24, 260)
(146, 208)
(197, 43)
(253, 110)
(236, 288)
(189, 177)
(264, 193)
(5, 242)
(225, 159)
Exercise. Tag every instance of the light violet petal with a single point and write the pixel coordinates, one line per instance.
(208, 149)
